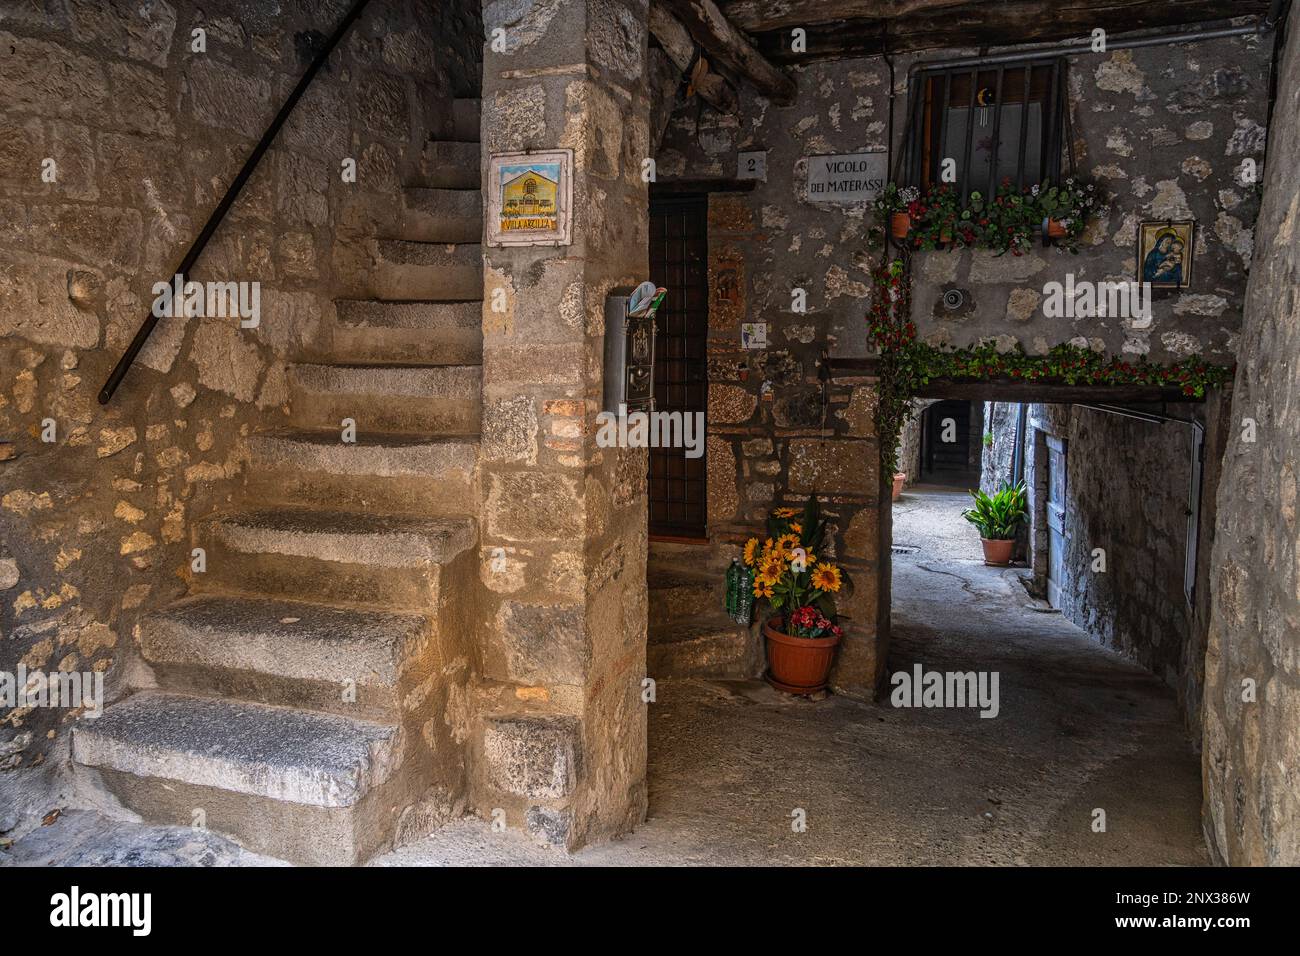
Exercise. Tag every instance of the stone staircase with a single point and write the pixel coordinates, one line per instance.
(690, 634)
(311, 686)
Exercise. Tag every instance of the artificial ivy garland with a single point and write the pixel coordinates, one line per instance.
(906, 364)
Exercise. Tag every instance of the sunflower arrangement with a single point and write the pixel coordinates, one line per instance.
(790, 574)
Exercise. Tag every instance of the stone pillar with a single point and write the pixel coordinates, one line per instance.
(562, 727)
(1251, 742)
(843, 468)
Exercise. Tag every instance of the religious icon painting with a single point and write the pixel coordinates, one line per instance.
(1164, 254)
(530, 199)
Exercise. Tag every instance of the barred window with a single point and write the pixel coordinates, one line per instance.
(992, 122)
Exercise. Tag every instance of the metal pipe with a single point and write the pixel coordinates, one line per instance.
(1070, 49)
(1154, 418)
(1270, 22)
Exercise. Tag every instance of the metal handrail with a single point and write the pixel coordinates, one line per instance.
(232, 193)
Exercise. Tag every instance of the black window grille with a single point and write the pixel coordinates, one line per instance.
(993, 122)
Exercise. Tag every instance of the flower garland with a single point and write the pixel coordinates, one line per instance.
(1009, 222)
(906, 364)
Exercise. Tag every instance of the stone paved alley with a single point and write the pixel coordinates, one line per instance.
(1079, 728)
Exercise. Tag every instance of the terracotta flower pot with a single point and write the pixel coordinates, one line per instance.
(900, 224)
(1053, 229)
(899, 478)
(797, 665)
(997, 552)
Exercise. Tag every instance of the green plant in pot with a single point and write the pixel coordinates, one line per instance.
(998, 517)
(792, 576)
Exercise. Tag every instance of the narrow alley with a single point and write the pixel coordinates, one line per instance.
(1079, 728)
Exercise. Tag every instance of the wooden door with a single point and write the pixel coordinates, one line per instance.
(1056, 531)
(679, 261)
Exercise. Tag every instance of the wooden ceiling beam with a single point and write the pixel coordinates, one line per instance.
(757, 15)
(680, 48)
(731, 48)
(998, 25)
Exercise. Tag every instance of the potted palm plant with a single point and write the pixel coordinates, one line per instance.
(798, 583)
(998, 517)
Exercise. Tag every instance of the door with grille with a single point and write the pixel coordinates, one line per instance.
(679, 257)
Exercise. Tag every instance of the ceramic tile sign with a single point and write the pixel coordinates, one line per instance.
(849, 178)
(753, 335)
(530, 198)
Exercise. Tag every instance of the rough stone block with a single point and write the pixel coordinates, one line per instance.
(382, 106)
(730, 404)
(140, 31)
(534, 756)
(228, 98)
(510, 430)
(100, 235)
(830, 466)
(549, 826)
(544, 643)
(50, 79)
(525, 506)
(140, 100)
(723, 498)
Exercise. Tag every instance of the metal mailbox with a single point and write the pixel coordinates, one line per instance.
(630, 347)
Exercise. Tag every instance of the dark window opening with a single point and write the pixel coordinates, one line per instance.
(993, 123)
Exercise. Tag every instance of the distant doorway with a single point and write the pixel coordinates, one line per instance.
(679, 261)
(950, 443)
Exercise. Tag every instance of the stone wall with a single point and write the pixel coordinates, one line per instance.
(144, 133)
(1161, 129)
(1252, 692)
(779, 429)
(771, 247)
(562, 743)
(1127, 493)
(998, 454)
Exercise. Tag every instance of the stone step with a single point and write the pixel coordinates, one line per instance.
(715, 648)
(403, 269)
(379, 472)
(308, 787)
(465, 119)
(674, 596)
(425, 399)
(442, 215)
(431, 333)
(343, 557)
(449, 164)
(294, 653)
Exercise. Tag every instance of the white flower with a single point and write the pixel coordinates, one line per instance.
(1034, 191)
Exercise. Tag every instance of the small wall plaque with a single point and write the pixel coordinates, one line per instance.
(849, 178)
(530, 198)
(753, 335)
(752, 165)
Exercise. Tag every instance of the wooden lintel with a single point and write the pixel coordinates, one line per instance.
(1003, 389)
(1050, 393)
(679, 187)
